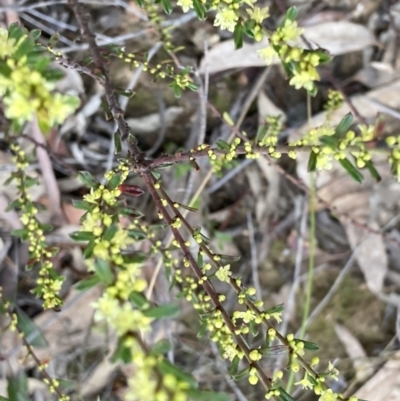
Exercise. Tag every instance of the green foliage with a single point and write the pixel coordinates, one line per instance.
(27, 81)
(30, 331)
(110, 230)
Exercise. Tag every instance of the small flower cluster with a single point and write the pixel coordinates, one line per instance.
(394, 159)
(268, 134)
(49, 282)
(300, 63)
(325, 154)
(122, 278)
(26, 90)
(180, 80)
(257, 15)
(53, 385)
(275, 390)
(227, 160)
(335, 100)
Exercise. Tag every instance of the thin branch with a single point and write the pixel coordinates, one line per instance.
(207, 285)
(112, 100)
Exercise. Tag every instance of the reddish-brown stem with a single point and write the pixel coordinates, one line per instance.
(207, 285)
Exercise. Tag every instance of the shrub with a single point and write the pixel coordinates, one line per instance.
(109, 228)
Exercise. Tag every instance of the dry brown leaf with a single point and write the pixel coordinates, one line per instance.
(371, 254)
(67, 333)
(340, 37)
(337, 37)
(385, 384)
(152, 122)
(355, 351)
(72, 214)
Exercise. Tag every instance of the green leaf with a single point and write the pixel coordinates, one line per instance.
(115, 181)
(162, 347)
(156, 174)
(88, 179)
(166, 6)
(136, 234)
(192, 86)
(54, 40)
(307, 344)
(241, 375)
(30, 182)
(126, 93)
(276, 309)
(230, 258)
(223, 145)
(284, 396)
(138, 299)
(199, 10)
(88, 251)
(126, 211)
(31, 332)
(21, 233)
(88, 282)
(5, 70)
(117, 142)
(15, 31)
(253, 328)
(373, 171)
(9, 180)
(199, 395)
(24, 48)
(313, 90)
(122, 353)
(4, 398)
(134, 257)
(189, 208)
(344, 126)
(262, 132)
(330, 141)
(166, 367)
(162, 311)
(110, 232)
(35, 34)
(53, 75)
(274, 350)
(82, 205)
(238, 35)
(177, 89)
(203, 329)
(41, 207)
(17, 388)
(324, 56)
(234, 366)
(82, 236)
(291, 15)
(351, 170)
(104, 272)
(15, 204)
(312, 162)
(248, 28)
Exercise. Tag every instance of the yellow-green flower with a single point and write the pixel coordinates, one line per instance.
(268, 54)
(7, 46)
(226, 19)
(305, 78)
(185, 4)
(289, 31)
(224, 273)
(258, 14)
(328, 395)
(305, 383)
